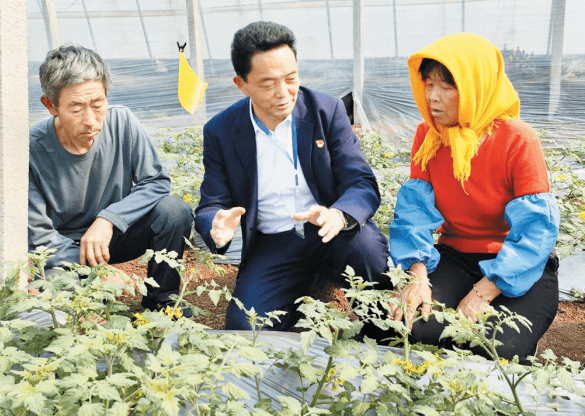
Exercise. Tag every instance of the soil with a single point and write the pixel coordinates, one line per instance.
(565, 337)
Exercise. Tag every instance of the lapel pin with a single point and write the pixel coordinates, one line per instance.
(320, 143)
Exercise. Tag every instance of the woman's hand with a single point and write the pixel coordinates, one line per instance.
(416, 294)
(478, 298)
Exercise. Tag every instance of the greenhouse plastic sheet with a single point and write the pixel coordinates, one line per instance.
(278, 382)
(571, 275)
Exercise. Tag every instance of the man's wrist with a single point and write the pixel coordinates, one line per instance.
(348, 221)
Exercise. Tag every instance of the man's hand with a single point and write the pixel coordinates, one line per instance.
(477, 299)
(224, 224)
(329, 219)
(415, 295)
(95, 243)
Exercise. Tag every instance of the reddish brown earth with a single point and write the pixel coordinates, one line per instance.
(565, 337)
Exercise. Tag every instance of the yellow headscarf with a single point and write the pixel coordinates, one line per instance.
(485, 94)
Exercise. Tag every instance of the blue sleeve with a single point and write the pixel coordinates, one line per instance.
(411, 231)
(534, 226)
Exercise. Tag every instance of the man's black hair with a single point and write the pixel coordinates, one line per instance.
(258, 37)
(429, 65)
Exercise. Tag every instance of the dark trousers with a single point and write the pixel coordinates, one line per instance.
(453, 280)
(165, 226)
(282, 267)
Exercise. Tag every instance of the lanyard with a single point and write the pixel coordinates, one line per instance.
(282, 149)
(299, 225)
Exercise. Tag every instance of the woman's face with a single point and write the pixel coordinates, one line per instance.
(442, 99)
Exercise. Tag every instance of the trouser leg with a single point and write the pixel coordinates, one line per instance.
(165, 227)
(282, 267)
(454, 278)
(365, 251)
(279, 269)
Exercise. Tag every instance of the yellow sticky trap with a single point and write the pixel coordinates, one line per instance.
(191, 87)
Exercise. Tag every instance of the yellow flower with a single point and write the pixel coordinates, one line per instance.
(187, 198)
(504, 362)
(560, 177)
(386, 154)
(179, 313)
(582, 215)
(140, 319)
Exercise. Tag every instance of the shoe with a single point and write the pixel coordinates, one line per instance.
(161, 305)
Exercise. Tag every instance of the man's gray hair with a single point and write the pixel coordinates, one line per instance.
(70, 65)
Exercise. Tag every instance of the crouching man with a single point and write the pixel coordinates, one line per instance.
(97, 189)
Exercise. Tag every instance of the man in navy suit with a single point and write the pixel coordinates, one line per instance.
(285, 163)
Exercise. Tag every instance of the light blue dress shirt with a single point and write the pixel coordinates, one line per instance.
(276, 179)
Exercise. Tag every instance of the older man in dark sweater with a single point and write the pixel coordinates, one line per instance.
(97, 189)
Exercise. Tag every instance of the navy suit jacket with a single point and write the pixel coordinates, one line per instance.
(336, 171)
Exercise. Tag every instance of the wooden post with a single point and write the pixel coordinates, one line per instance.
(556, 60)
(13, 132)
(195, 50)
(51, 23)
(358, 53)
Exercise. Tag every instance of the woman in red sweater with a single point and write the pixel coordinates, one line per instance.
(478, 175)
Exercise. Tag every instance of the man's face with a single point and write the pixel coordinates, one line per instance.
(272, 85)
(81, 111)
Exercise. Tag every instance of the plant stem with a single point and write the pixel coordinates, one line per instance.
(55, 323)
(322, 382)
(257, 385)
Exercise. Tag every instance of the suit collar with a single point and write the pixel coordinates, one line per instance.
(245, 140)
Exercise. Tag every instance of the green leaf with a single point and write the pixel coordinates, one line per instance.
(567, 380)
(234, 392)
(167, 356)
(35, 403)
(245, 369)
(541, 379)
(425, 410)
(290, 404)
(347, 371)
(107, 392)
(119, 409)
(548, 355)
(170, 405)
(307, 340)
(369, 384)
(215, 296)
(92, 409)
(253, 354)
(369, 357)
(264, 404)
(309, 372)
(359, 407)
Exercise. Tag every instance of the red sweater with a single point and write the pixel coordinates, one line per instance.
(509, 164)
